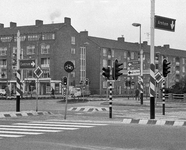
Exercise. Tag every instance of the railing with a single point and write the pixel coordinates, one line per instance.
(171, 96)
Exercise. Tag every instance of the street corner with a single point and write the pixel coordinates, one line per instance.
(23, 114)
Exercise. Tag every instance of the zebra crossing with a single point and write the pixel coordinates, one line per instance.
(42, 127)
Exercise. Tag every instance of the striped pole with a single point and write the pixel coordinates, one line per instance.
(163, 97)
(110, 99)
(152, 66)
(18, 74)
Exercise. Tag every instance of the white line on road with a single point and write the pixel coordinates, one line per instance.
(56, 125)
(75, 123)
(35, 127)
(10, 135)
(32, 130)
(13, 132)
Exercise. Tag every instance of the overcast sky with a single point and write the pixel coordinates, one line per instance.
(102, 18)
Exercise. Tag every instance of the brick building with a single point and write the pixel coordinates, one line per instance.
(51, 45)
(126, 52)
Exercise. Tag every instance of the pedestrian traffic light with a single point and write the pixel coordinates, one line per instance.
(87, 81)
(65, 80)
(116, 70)
(166, 67)
(14, 59)
(106, 72)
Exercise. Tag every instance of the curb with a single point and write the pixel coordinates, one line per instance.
(154, 122)
(23, 114)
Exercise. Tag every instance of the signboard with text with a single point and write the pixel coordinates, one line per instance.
(27, 63)
(164, 23)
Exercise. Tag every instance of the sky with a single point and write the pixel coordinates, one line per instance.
(102, 18)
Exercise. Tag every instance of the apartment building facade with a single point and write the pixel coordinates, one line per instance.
(51, 45)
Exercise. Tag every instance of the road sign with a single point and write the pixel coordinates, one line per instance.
(27, 63)
(164, 23)
(133, 72)
(158, 77)
(69, 66)
(38, 72)
(133, 65)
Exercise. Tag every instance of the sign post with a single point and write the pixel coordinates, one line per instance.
(68, 67)
(38, 72)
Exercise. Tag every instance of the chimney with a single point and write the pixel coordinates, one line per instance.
(166, 46)
(145, 43)
(13, 25)
(121, 39)
(1, 26)
(67, 21)
(84, 34)
(39, 22)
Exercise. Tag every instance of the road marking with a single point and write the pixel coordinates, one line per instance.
(15, 132)
(54, 125)
(10, 135)
(41, 127)
(35, 127)
(64, 122)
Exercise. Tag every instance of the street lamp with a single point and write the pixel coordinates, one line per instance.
(141, 62)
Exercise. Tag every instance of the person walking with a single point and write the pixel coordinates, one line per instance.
(137, 94)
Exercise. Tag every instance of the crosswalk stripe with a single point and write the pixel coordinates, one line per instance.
(39, 127)
(58, 125)
(15, 132)
(10, 135)
(32, 130)
(75, 123)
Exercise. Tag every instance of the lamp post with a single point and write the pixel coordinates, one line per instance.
(141, 62)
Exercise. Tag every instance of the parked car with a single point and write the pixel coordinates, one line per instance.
(2, 92)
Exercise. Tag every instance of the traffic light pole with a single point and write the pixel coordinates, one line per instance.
(110, 99)
(163, 98)
(67, 89)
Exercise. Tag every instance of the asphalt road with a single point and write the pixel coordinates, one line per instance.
(82, 135)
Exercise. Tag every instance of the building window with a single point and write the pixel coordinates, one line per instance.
(45, 49)
(104, 63)
(183, 69)
(22, 38)
(30, 50)
(35, 37)
(104, 52)
(73, 40)
(45, 62)
(29, 73)
(125, 54)
(112, 53)
(73, 50)
(132, 55)
(3, 51)
(46, 74)
(104, 84)
(183, 60)
(73, 74)
(48, 36)
(125, 65)
(3, 63)
(6, 39)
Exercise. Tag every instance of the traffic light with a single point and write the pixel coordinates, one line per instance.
(87, 81)
(65, 80)
(106, 72)
(116, 70)
(166, 67)
(14, 59)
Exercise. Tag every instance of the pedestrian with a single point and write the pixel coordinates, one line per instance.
(52, 93)
(137, 94)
